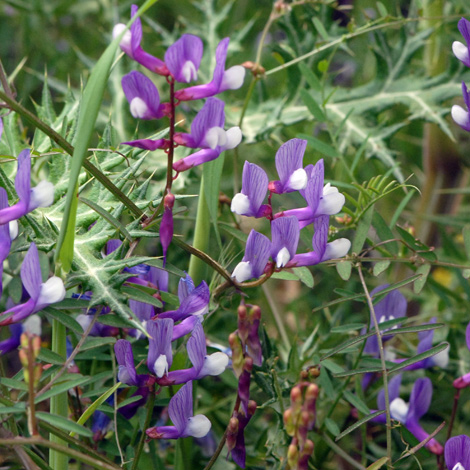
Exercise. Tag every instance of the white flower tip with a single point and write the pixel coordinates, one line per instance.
(298, 179)
(233, 78)
(138, 108)
(214, 364)
(283, 257)
(234, 137)
(441, 359)
(13, 229)
(52, 291)
(189, 71)
(460, 51)
(215, 137)
(125, 42)
(123, 375)
(242, 271)
(458, 466)
(331, 202)
(161, 366)
(337, 249)
(32, 325)
(399, 409)
(328, 189)
(84, 320)
(42, 195)
(240, 204)
(198, 426)
(460, 116)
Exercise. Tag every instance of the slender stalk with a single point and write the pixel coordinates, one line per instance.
(388, 427)
(277, 317)
(58, 460)
(33, 425)
(454, 413)
(148, 418)
(342, 453)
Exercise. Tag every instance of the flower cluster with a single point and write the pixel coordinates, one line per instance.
(322, 201)
(462, 52)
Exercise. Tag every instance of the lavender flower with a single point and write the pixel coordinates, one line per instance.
(207, 132)
(125, 359)
(322, 250)
(222, 80)
(257, 251)
(462, 51)
(460, 115)
(41, 294)
(166, 225)
(41, 195)
(457, 453)
(292, 177)
(160, 355)
(185, 424)
(254, 187)
(184, 57)
(285, 238)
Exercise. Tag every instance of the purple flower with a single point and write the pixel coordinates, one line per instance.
(464, 381)
(254, 187)
(142, 95)
(462, 51)
(460, 115)
(41, 294)
(184, 57)
(160, 355)
(8, 232)
(130, 44)
(322, 250)
(257, 251)
(222, 80)
(289, 158)
(185, 424)
(125, 359)
(207, 132)
(410, 413)
(13, 341)
(285, 238)
(457, 453)
(41, 195)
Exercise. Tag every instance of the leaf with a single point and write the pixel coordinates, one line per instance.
(50, 357)
(362, 230)
(332, 366)
(91, 343)
(358, 424)
(320, 146)
(378, 464)
(384, 233)
(364, 370)
(356, 402)
(305, 276)
(347, 328)
(66, 320)
(63, 423)
(344, 269)
(140, 295)
(380, 267)
(60, 388)
(332, 426)
(419, 283)
(310, 77)
(419, 357)
(466, 239)
(312, 106)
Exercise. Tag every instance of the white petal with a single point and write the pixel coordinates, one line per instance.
(441, 359)
(198, 426)
(13, 229)
(460, 51)
(139, 108)
(298, 179)
(189, 71)
(331, 203)
(233, 78)
(242, 271)
(460, 116)
(399, 409)
(32, 325)
(328, 189)
(42, 195)
(214, 137)
(240, 204)
(84, 320)
(123, 375)
(234, 137)
(52, 291)
(125, 43)
(283, 257)
(458, 466)
(161, 366)
(214, 364)
(389, 355)
(337, 249)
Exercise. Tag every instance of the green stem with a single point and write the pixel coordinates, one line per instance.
(58, 460)
(197, 268)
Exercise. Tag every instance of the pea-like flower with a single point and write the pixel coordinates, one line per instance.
(462, 51)
(285, 238)
(464, 381)
(457, 453)
(460, 115)
(184, 57)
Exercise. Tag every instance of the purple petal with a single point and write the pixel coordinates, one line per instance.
(128, 411)
(31, 272)
(13, 341)
(195, 159)
(393, 305)
(289, 158)
(112, 245)
(420, 399)
(17, 313)
(420, 434)
(185, 287)
(285, 238)
(313, 192)
(425, 339)
(196, 303)
(464, 28)
(457, 450)
(143, 311)
(161, 332)
(147, 144)
(196, 347)
(159, 278)
(5, 239)
(467, 335)
(393, 392)
(466, 95)
(257, 251)
(125, 359)
(142, 96)
(184, 57)
(23, 177)
(180, 408)
(211, 115)
(184, 327)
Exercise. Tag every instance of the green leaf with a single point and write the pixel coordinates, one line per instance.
(18, 408)
(66, 320)
(419, 283)
(13, 383)
(50, 357)
(359, 423)
(305, 276)
(332, 366)
(364, 370)
(113, 320)
(320, 146)
(332, 426)
(60, 388)
(419, 357)
(347, 328)
(466, 239)
(63, 423)
(91, 343)
(344, 269)
(378, 464)
(139, 294)
(310, 77)
(356, 402)
(384, 233)
(380, 267)
(362, 230)
(312, 106)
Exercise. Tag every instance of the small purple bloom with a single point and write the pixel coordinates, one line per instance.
(130, 44)
(41, 195)
(322, 250)
(207, 132)
(8, 231)
(462, 51)
(13, 341)
(254, 187)
(41, 294)
(292, 176)
(148, 144)
(142, 95)
(184, 57)
(460, 115)
(222, 80)
(125, 359)
(185, 424)
(160, 355)
(257, 251)
(457, 453)
(285, 238)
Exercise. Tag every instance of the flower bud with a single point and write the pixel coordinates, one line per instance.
(289, 424)
(243, 323)
(292, 456)
(238, 359)
(232, 433)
